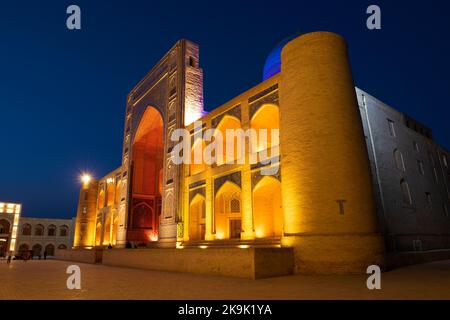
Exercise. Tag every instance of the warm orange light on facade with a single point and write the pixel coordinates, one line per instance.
(230, 149)
(220, 235)
(267, 211)
(267, 118)
(197, 218)
(228, 211)
(197, 161)
(110, 196)
(153, 237)
(15, 210)
(101, 199)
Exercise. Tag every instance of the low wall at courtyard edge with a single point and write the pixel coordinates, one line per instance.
(402, 259)
(80, 255)
(251, 263)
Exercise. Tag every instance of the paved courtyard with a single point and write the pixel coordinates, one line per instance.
(47, 280)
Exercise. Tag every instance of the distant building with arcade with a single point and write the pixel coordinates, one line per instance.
(21, 235)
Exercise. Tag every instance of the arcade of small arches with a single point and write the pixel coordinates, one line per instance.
(244, 204)
(108, 201)
(226, 219)
(37, 239)
(38, 249)
(39, 230)
(263, 124)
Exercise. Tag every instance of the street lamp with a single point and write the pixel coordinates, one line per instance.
(86, 178)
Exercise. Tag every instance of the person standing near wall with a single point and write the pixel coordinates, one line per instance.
(8, 261)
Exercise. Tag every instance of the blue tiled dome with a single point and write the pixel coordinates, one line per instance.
(273, 61)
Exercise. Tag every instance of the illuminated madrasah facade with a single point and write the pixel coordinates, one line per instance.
(354, 179)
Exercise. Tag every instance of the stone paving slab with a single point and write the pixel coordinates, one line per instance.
(47, 280)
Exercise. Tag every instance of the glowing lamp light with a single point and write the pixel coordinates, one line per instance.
(153, 237)
(86, 178)
(220, 235)
(179, 245)
(244, 247)
(203, 247)
(259, 233)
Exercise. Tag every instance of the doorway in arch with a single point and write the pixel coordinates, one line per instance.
(147, 176)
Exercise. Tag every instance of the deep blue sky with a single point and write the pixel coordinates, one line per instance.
(63, 92)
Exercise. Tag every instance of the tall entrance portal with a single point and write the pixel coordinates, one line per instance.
(169, 97)
(147, 178)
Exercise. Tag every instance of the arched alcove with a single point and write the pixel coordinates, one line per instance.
(37, 250)
(267, 211)
(147, 165)
(110, 194)
(229, 146)
(266, 123)
(197, 217)
(50, 250)
(227, 211)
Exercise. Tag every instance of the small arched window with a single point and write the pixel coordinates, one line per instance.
(235, 206)
(26, 230)
(39, 230)
(407, 200)
(399, 162)
(4, 226)
(63, 231)
(51, 232)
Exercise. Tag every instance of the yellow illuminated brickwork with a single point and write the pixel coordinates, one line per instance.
(97, 216)
(11, 213)
(312, 119)
(322, 150)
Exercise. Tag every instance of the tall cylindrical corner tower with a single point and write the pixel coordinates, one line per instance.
(86, 216)
(328, 204)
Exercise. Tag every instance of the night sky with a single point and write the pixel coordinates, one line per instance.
(63, 92)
